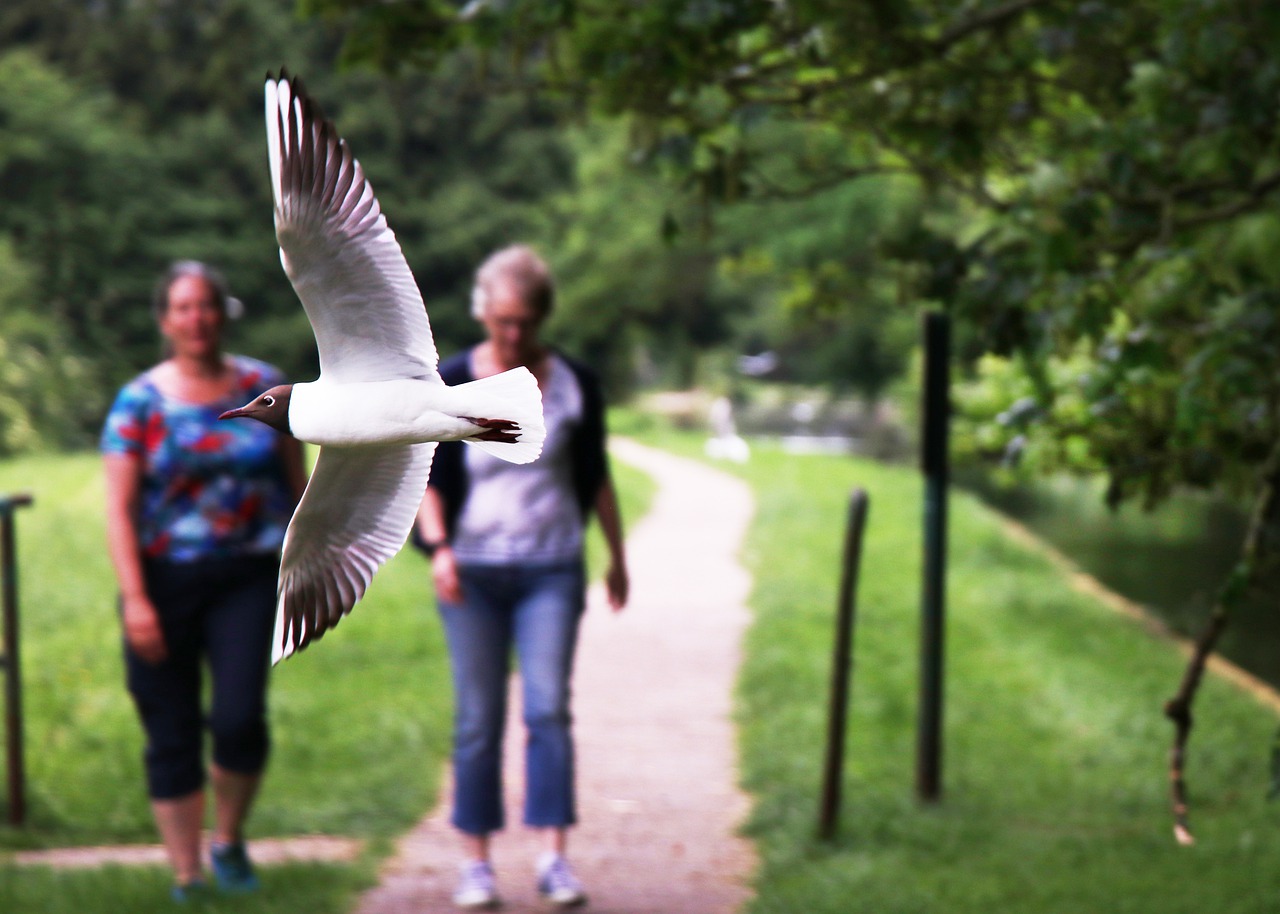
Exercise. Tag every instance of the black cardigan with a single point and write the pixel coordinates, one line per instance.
(587, 446)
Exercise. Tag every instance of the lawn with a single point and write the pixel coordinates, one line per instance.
(1054, 764)
(374, 691)
(360, 720)
(1054, 769)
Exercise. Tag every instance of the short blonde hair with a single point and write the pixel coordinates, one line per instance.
(520, 265)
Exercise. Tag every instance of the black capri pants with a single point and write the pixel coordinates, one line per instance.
(215, 611)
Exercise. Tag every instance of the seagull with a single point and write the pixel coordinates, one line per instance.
(379, 405)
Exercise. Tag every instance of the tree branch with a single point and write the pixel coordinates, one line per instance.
(774, 191)
(974, 190)
(916, 51)
(1178, 708)
(1251, 198)
(981, 21)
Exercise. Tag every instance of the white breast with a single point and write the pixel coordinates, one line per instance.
(401, 411)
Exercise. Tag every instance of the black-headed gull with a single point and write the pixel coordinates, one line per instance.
(379, 406)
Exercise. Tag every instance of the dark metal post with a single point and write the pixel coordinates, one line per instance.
(842, 666)
(9, 660)
(937, 338)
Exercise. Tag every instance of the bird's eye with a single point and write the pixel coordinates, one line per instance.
(268, 400)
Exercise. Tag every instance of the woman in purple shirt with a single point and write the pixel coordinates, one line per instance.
(507, 562)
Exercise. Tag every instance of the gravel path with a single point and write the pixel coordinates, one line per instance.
(658, 801)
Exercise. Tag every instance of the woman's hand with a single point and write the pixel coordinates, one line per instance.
(444, 571)
(618, 585)
(616, 581)
(142, 630)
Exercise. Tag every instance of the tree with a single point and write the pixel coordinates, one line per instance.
(75, 192)
(622, 285)
(158, 153)
(1105, 172)
(45, 389)
(824, 304)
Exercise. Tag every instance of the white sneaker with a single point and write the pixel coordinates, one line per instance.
(557, 884)
(477, 889)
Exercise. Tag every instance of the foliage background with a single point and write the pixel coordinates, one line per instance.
(1091, 185)
(157, 153)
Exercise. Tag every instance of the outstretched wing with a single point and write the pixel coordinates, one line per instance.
(356, 513)
(344, 262)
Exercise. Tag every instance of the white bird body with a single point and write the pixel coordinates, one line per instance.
(404, 411)
(379, 405)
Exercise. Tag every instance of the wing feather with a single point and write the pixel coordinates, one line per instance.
(332, 162)
(355, 515)
(343, 259)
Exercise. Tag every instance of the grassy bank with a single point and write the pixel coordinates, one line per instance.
(360, 720)
(1054, 763)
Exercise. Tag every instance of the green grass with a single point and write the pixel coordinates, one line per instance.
(1054, 771)
(360, 720)
(287, 889)
(1054, 765)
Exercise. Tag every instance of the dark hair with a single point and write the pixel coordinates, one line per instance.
(180, 268)
(521, 266)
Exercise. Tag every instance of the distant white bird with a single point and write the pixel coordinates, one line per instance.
(379, 405)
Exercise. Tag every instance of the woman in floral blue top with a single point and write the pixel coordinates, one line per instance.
(196, 514)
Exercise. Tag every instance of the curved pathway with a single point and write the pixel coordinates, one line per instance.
(657, 775)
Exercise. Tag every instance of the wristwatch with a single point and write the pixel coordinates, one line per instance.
(430, 546)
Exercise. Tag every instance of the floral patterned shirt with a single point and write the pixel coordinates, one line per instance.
(209, 489)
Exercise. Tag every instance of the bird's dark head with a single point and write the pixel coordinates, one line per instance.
(270, 408)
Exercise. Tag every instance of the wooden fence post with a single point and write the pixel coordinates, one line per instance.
(9, 659)
(842, 666)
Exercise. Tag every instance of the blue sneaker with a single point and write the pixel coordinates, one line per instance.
(557, 884)
(192, 892)
(231, 868)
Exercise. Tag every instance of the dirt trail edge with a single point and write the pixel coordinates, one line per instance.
(657, 775)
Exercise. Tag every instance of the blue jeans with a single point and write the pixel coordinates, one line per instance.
(536, 610)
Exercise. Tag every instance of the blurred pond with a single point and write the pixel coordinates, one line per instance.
(1172, 559)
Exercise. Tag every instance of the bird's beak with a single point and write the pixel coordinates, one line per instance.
(234, 413)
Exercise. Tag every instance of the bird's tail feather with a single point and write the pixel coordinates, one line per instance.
(512, 395)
